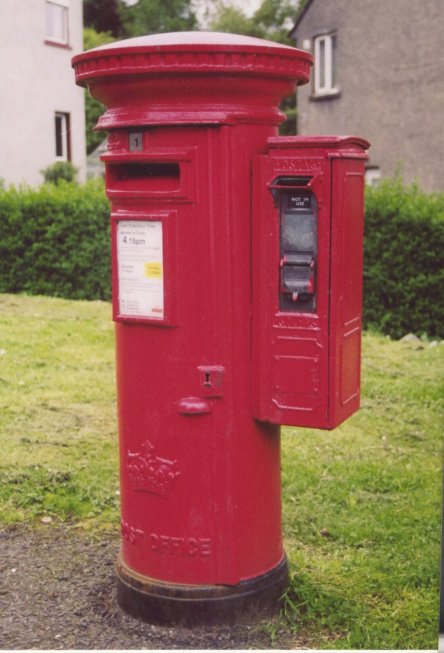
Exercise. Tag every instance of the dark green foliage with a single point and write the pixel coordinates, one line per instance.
(93, 108)
(403, 261)
(103, 16)
(288, 107)
(231, 19)
(274, 18)
(155, 16)
(55, 241)
(58, 171)
(270, 21)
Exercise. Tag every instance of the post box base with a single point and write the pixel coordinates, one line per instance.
(192, 605)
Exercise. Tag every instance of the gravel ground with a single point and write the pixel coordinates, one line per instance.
(57, 591)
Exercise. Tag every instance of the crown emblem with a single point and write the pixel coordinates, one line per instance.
(149, 473)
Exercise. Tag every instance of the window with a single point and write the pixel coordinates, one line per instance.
(57, 22)
(62, 137)
(372, 176)
(325, 82)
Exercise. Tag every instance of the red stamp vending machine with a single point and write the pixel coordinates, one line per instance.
(308, 204)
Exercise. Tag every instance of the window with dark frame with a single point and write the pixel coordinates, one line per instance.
(62, 136)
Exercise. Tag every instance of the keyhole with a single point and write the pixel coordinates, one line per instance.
(207, 382)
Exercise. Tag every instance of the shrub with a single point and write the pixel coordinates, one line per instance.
(93, 108)
(58, 171)
(403, 260)
(54, 240)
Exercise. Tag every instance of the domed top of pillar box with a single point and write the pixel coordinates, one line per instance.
(191, 78)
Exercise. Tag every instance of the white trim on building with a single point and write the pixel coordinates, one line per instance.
(325, 71)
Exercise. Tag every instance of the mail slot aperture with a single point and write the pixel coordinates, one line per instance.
(144, 177)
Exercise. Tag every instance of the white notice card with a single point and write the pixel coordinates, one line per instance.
(140, 268)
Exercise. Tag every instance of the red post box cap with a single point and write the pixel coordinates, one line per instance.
(191, 77)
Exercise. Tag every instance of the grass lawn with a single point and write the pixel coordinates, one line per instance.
(362, 504)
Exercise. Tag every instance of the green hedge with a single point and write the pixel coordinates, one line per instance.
(403, 260)
(54, 240)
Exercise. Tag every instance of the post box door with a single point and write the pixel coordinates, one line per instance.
(307, 280)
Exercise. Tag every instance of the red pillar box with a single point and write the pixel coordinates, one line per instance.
(187, 115)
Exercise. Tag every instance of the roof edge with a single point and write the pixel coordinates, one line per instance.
(299, 19)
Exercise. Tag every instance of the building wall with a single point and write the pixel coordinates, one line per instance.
(390, 67)
(36, 82)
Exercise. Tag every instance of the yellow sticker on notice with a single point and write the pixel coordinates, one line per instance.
(153, 270)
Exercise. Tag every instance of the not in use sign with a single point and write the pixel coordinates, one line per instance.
(140, 268)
